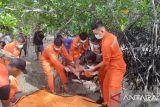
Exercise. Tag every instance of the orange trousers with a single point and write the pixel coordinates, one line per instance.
(60, 71)
(111, 83)
(101, 76)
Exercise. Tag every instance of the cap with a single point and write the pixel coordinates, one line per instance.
(19, 64)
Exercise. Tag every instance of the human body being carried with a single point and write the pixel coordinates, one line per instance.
(87, 61)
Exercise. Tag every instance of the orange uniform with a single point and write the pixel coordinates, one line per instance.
(11, 48)
(3, 76)
(49, 59)
(111, 75)
(77, 48)
(14, 86)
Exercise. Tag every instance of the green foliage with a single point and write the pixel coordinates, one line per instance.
(75, 15)
(7, 21)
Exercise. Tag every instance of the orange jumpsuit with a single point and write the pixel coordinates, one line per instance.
(111, 75)
(11, 48)
(49, 59)
(77, 48)
(3, 76)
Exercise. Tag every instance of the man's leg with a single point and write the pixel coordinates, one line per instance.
(112, 86)
(47, 70)
(59, 68)
(37, 53)
(40, 50)
(101, 76)
(25, 50)
(75, 71)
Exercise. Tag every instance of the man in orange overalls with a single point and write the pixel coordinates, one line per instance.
(79, 46)
(14, 68)
(50, 59)
(113, 66)
(4, 86)
(14, 47)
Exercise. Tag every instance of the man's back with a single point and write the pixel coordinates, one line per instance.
(67, 43)
(38, 38)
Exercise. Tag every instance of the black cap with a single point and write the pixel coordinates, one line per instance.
(96, 24)
(20, 38)
(19, 64)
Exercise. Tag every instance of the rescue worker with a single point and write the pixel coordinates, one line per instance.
(113, 66)
(79, 46)
(15, 46)
(4, 86)
(14, 67)
(17, 65)
(95, 45)
(50, 58)
(66, 41)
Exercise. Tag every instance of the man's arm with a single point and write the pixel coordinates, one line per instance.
(5, 55)
(73, 47)
(66, 55)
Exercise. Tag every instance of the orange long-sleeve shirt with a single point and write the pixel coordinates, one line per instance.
(77, 48)
(49, 59)
(11, 48)
(3, 76)
(111, 52)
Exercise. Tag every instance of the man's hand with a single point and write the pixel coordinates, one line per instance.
(72, 64)
(67, 69)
